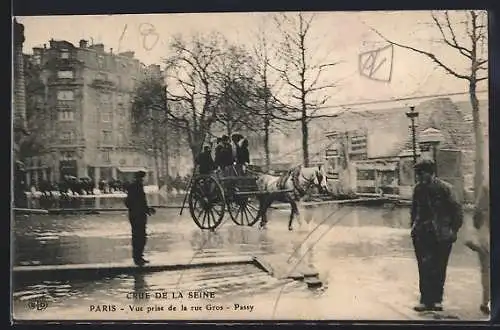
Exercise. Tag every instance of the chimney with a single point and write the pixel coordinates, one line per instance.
(83, 43)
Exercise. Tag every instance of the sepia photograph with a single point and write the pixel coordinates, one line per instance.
(251, 166)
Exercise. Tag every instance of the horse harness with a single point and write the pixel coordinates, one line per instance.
(295, 173)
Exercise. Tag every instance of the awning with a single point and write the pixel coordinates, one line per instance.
(131, 169)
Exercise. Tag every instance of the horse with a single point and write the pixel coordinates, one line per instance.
(291, 187)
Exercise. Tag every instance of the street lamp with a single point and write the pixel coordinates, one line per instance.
(412, 115)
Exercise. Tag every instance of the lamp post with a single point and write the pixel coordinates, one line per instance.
(412, 115)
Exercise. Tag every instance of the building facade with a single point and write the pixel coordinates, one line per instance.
(379, 145)
(19, 114)
(86, 96)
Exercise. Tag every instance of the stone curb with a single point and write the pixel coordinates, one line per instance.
(90, 271)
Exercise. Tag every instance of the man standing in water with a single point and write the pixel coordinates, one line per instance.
(138, 211)
(436, 217)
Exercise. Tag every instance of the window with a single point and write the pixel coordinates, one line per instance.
(106, 116)
(366, 174)
(65, 74)
(106, 157)
(65, 96)
(67, 155)
(64, 53)
(65, 115)
(106, 137)
(105, 99)
(120, 138)
(100, 61)
(67, 137)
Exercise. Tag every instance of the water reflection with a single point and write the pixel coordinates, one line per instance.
(96, 201)
(202, 240)
(105, 237)
(140, 288)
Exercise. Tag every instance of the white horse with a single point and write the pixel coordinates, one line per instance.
(291, 187)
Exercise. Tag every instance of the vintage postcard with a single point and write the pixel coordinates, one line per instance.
(251, 166)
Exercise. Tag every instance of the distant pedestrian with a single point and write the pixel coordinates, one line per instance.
(436, 217)
(138, 211)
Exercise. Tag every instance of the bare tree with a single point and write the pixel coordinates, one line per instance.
(191, 90)
(451, 28)
(302, 75)
(149, 117)
(269, 108)
(234, 78)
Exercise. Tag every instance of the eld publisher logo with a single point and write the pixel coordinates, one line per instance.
(37, 304)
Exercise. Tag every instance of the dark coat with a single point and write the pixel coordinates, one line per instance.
(224, 155)
(205, 162)
(242, 155)
(218, 153)
(436, 211)
(136, 201)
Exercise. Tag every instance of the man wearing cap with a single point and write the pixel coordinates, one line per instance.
(138, 211)
(436, 217)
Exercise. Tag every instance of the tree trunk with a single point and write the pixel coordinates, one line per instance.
(166, 161)
(478, 135)
(266, 141)
(305, 138)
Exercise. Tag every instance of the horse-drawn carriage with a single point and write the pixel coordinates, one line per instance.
(246, 197)
(211, 196)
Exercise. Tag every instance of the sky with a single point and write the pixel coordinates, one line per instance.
(336, 36)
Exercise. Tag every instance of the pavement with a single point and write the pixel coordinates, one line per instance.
(367, 269)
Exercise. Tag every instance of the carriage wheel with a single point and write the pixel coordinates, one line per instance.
(206, 202)
(243, 210)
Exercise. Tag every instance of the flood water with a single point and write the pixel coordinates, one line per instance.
(347, 232)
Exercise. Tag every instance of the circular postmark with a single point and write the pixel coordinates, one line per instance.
(37, 304)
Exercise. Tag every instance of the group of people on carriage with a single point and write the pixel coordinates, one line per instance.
(231, 156)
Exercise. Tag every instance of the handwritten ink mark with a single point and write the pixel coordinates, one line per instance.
(121, 37)
(370, 64)
(149, 36)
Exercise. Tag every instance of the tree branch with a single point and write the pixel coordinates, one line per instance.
(453, 43)
(429, 55)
